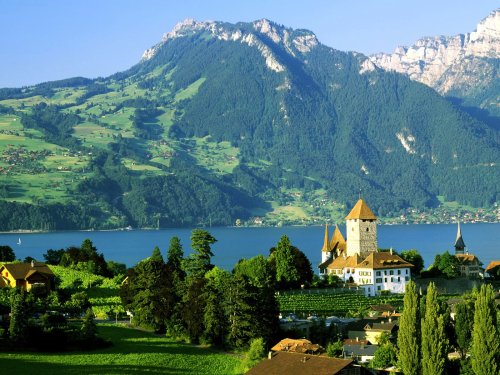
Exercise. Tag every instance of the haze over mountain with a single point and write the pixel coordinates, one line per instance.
(222, 121)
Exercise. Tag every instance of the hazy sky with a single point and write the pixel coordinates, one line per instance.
(43, 40)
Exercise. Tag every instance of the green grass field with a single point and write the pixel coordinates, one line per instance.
(133, 352)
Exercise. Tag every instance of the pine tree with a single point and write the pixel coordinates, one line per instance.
(485, 350)
(149, 287)
(215, 318)
(409, 333)
(434, 342)
(199, 262)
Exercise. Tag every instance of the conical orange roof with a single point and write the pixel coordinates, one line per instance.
(338, 240)
(326, 244)
(361, 211)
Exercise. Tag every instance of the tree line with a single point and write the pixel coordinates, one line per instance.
(188, 297)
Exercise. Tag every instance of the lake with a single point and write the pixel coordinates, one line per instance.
(234, 243)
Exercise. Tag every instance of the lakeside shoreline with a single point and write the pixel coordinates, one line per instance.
(128, 229)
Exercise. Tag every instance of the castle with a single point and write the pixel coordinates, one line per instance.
(357, 259)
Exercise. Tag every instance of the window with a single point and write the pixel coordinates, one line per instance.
(378, 273)
(379, 287)
(407, 278)
(385, 272)
(367, 229)
(391, 272)
(385, 279)
(399, 272)
(399, 279)
(379, 280)
(369, 290)
(407, 272)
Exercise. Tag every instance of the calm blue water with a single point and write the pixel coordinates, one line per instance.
(233, 244)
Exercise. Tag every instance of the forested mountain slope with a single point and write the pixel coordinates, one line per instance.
(220, 122)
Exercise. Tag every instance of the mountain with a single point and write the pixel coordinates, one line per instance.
(220, 122)
(464, 67)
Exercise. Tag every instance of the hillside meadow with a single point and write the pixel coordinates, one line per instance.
(133, 352)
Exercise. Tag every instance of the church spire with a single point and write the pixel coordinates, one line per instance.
(459, 242)
(326, 243)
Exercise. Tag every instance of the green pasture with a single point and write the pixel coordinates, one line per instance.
(218, 157)
(133, 352)
(189, 91)
(54, 187)
(10, 123)
(27, 102)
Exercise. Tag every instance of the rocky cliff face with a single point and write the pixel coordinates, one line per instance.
(460, 64)
(293, 41)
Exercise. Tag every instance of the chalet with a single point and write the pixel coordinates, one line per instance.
(357, 260)
(303, 364)
(361, 353)
(493, 268)
(469, 264)
(370, 329)
(26, 275)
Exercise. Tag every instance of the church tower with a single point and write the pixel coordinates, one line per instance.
(459, 242)
(361, 230)
(326, 251)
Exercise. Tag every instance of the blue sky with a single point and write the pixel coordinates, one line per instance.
(43, 40)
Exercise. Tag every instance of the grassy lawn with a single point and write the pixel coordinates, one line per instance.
(133, 352)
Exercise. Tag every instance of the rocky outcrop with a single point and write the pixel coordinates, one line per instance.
(293, 41)
(459, 63)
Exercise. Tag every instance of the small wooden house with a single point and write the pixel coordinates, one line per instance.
(26, 276)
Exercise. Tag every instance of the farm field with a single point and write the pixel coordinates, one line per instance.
(133, 352)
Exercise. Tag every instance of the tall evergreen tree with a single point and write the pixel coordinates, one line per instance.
(409, 333)
(194, 304)
(434, 342)
(215, 317)
(176, 276)
(149, 287)
(485, 350)
(242, 314)
(199, 262)
(464, 322)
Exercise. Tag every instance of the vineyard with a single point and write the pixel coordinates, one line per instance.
(333, 304)
(102, 292)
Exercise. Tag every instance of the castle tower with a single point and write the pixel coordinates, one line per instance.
(337, 243)
(459, 242)
(361, 230)
(326, 250)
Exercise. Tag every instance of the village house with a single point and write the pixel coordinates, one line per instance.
(27, 276)
(470, 265)
(492, 268)
(370, 329)
(357, 260)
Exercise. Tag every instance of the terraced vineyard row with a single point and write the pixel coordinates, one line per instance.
(334, 304)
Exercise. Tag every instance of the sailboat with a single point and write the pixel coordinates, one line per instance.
(19, 241)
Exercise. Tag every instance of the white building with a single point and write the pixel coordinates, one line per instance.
(358, 261)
